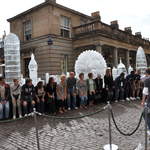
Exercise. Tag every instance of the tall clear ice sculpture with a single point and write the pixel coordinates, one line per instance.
(12, 58)
(141, 62)
(33, 70)
(90, 62)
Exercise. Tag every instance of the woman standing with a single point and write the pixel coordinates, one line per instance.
(51, 96)
(62, 94)
(40, 97)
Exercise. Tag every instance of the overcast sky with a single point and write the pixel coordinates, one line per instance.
(134, 13)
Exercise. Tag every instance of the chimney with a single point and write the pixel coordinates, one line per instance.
(54, 1)
(114, 24)
(96, 15)
(138, 34)
(128, 30)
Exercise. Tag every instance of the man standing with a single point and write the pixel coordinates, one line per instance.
(146, 97)
(71, 91)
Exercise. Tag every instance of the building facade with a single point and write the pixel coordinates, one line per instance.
(57, 35)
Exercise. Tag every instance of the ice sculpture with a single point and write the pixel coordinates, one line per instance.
(141, 62)
(130, 69)
(90, 62)
(121, 68)
(114, 73)
(33, 70)
(12, 58)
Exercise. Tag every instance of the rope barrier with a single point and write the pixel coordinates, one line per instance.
(121, 132)
(74, 117)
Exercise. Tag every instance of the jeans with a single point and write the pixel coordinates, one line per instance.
(4, 110)
(16, 103)
(28, 108)
(119, 94)
(71, 98)
(83, 100)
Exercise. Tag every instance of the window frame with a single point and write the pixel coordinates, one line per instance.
(65, 25)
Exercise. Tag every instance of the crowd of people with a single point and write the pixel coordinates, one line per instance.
(69, 94)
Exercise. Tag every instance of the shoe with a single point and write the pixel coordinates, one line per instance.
(76, 108)
(134, 99)
(127, 99)
(131, 98)
(14, 117)
(20, 116)
(116, 101)
(69, 108)
(39, 114)
(138, 98)
(25, 115)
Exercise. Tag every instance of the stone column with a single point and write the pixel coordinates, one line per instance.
(99, 48)
(115, 57)
(127, 58)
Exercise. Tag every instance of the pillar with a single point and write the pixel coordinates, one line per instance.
(115, 56)
(127, 58)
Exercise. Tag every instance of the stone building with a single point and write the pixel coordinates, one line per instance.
(57, 35)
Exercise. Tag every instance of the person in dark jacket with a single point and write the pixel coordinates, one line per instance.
(51, 96)
(99, 88)
(28, 97)
(71, 91)
(5, 98)
(40, 97)
(109, 85)
(130, 86)
(120, 88)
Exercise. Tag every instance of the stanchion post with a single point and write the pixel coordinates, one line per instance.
(36, 128)
(109, 119)
(145, 115)
(110, 146)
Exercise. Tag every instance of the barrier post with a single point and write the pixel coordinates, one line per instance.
(145, 115)
(110, 146)
(36, 128)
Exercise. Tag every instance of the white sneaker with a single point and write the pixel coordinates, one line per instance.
(116, 101)
(134, 99)
(138, 98)
(122, 100)
(20, 116)
(14, 117)
(69, 108)
(127, 99)
(76, 108)
(25, 115)
(131, 98)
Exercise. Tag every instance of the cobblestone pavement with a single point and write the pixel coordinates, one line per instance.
(89, 133)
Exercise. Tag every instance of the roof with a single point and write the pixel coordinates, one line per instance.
(45, 4)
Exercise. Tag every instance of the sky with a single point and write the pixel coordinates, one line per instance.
(129, 13)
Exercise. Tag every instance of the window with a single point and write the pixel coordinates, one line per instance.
(27, 30)
(65, 27)
(26, 64)
(64, 64)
